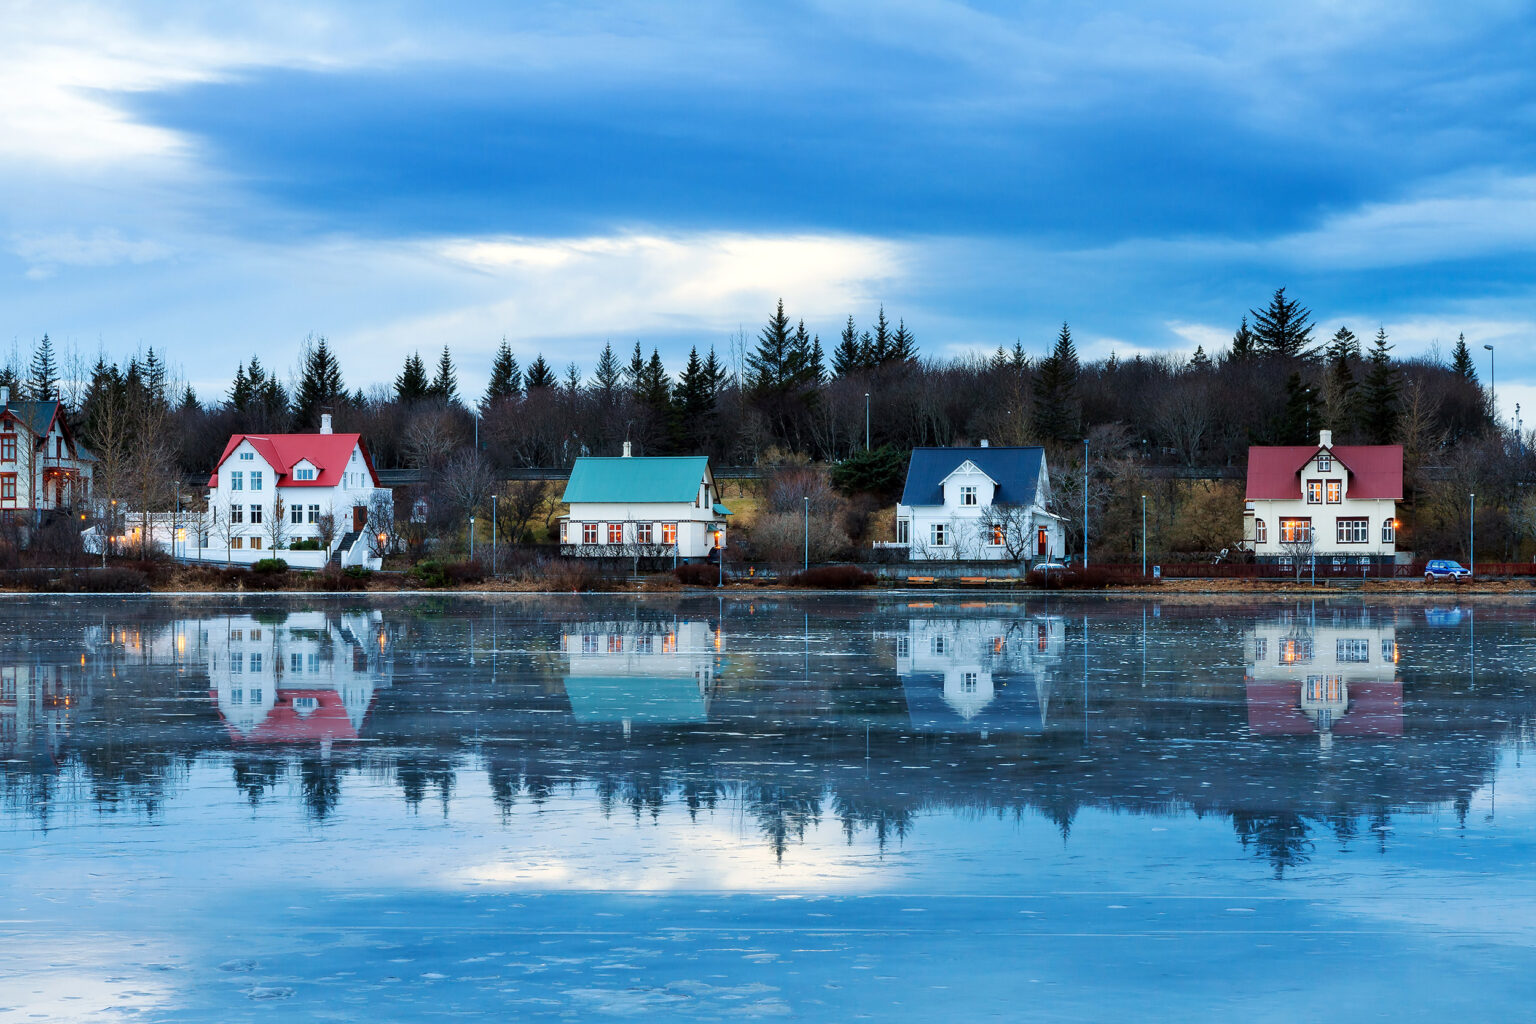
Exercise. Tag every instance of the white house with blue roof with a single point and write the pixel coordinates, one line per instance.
(651, 506)
(978, 503)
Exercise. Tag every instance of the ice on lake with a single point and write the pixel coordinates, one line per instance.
(710, 808)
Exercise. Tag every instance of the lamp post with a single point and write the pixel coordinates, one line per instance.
(807, 532)
(1471, 535)
(471, 536)
(493, 536)
(1085, 503)
(866, 421)
(720, 557)
(1493, 387)
(1143, 534)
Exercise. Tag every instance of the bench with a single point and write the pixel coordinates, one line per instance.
(926, 581)
(973, 581)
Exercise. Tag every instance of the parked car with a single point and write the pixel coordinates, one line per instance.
(1445, 569)
(1050, 567)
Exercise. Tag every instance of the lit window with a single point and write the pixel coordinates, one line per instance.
(938, 534)
(1260, 532)
(236, 543)
(1325, 689)
(669, 533)
(615, 533)
(1335, 491)
(1295, 531)
(615, 643)
(255, 543)
(968, 495)
(589, 533)
(1295, 649)
(642, 533)
(997, 535)
(1314, 492)
(237, 481)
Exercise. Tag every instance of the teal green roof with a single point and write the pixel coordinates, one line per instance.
(643, 699)
(637, 480)
(721, 510)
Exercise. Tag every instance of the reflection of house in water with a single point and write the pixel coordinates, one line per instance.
(647, 672)
(979, 675)
(36, 701)
(1330, 678)
(297, 678)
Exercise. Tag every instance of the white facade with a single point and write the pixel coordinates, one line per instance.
(629, 672)
(971, 663)
(1332, 676)
(972, 523)
(1341, 529)
(41, 465)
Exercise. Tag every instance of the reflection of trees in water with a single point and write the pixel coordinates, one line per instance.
(320, 784)
(255, 775)
(862, 812)
(782, 811)
(415, 773)
(1284, 839)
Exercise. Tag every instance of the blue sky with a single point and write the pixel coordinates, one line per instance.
(221, 182)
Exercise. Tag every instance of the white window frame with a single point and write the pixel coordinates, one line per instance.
(236, 480)
(970, 495)
(1353, 530)
(938, 534)
(1388, 531)
(1260, 531)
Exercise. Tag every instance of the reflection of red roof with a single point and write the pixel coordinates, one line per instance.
(1375, 709)
(1375, 471)
(328, 453)
(284, 724)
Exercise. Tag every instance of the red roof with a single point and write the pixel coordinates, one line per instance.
(284, 723)
(1375, 709)
(1375, 471)
(328, 453)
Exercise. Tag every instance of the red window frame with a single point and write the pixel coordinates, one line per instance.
(1314, 492)
(7, 486)
(7, 447)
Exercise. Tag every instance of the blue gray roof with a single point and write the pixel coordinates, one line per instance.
(1016, 470)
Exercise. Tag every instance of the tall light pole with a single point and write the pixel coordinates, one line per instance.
(866, 421)
(493, 536)
(471, 536)
(807, 532)
(1471, 535)
(1493, 386)
(1143, 534)
(1085, 503)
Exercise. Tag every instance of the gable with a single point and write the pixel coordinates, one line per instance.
(637, 480)
(329, 454)
(1016, 472)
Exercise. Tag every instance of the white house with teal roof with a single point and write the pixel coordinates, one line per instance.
(652, 507)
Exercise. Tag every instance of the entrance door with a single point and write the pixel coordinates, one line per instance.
(359, 517)
(1042, 542)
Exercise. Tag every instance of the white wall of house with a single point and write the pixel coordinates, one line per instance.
(961, 529)
(1323, 502)
(696, 528)
(247, 498)
(41, 472)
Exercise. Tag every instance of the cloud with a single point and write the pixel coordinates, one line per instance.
(103, 248)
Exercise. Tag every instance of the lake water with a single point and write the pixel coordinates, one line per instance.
(840, 808)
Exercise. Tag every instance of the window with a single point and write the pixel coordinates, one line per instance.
(1325, 463)
(255, 513)
(904, 646)
(8, 487)
(1042, 541)
(938, 535)
(968, 495)
(237, 481)
(589, 533)
(1353, 531)
(1354, 651)
(997, 535)
(903, 531)
(588, 643)
(1260, 532)
(7, 447)
(256, 694)
(1314, 492)
(615, 533)
(969, 682)
(255, 480)
(669, 533)
(314, 513)
(237, 696)
(304, 474)
(1295, 649)
(615, 643)
(247, 456)
(58, 447)
(940, 645)
(1335, 491)
(237, 513)
(255, 667)
(1389, 651)
(296, 514)
(1325, 689)
(255, 543)
(1260, 648)
(1388, 531)
(236, 543)
(644, 643)
(296, 663)
(236, 664)
(1295, 531)
(643, 533)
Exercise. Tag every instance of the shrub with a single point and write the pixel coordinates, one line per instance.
(460, 573)
(833, 577)
(111, 580)
(354, 577)
(569, 574)
(305, 544)
(358, 572)
(429, 572)
(695, 574)
(269, 565)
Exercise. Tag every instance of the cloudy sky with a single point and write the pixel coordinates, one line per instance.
(221, 180)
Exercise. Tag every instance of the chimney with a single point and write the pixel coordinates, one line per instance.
(626, 449)
(1325, 439)
(985, 442)
(325, 423)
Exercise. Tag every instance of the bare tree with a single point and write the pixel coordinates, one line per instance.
(1183, 417)
(1013, 524)
(222, 526)
(1300, 549)
(430, 438)
(325, 526)
(519, 505)
(383, 527)
(277, 523)
(467, 483)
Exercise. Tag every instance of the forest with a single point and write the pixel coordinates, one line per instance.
(804, 412)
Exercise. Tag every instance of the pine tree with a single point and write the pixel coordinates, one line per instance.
(412, 384)
(1298, 420)
(608, 377)
(880, 344)
(239, 391)
(769, 367)
(847, 358)
(903, 344)
(572, 379)
(539, 374)
(189, 402)
(1379, 394)
(1343, 345)
(1056, 411)
(9, 378)
(445, 385)
(43, 381)
(320, 385)
(506, 377)
(716, 375)
(1244, 345)
(1461, 361)
(636, 371)
(1018, 360)
(1341, 395)
(1283, 328)
(816, 372)
(693, 404)
(1199, 362)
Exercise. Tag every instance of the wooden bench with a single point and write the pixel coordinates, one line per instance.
(924, 581)
(973, 581)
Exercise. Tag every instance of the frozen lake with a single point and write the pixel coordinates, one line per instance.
(832, 809)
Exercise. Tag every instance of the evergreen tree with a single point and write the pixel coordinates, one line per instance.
(1341, 399)
(903, 344)
(320, 385)
(1056, 410)
(1244, 345)
(445, 385)
(880, 344)
(636, 371)
(239, 391)
(693, 403)
(1283, 328)
(1343, 345)
(9, 378)
(1298, 420)
(716, 374)
(1199, 362)
(1379, 393)
(506, 377)
(572, 379)
(655, 391)
(847, 357)
(817, 371)
(412, 384)
(1018, 360)
(539, 374)
(1461, 361)
(189, 402)
(268, 396)
(156, 379)
(43, 381)
(771, 367)
(608, 378)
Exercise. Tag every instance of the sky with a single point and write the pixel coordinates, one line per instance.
(217, 181)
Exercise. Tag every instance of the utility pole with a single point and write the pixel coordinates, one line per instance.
(1085, 503)
(1143, 534)
(866, 421)
(493, 534)
(807, 532)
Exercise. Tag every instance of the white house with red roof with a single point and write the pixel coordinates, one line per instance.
(1335, 503)
(271, 491)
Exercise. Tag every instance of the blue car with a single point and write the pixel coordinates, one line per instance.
(1444, 569)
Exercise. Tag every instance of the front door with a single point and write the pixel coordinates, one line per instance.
(1042, 542)
(359, 517)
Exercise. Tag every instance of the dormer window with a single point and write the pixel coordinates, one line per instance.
(1325, 463)
(304, 473)
(968, 495)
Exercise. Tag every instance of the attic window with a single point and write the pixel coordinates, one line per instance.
(247, 456)
(304, 474)
(1325, 463)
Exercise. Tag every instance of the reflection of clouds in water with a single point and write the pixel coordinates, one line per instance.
(58, 981)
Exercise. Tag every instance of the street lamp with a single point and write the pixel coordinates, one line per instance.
(807, 532)
(493, 536)
(1493, 386)
(1471, 535)
(866, 421)
(1143, 534)
(471, 536)
(1085, 503)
